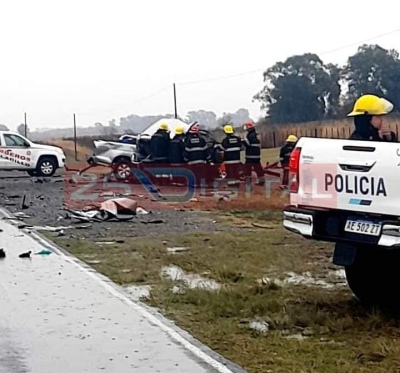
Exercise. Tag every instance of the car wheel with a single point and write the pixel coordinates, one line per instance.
(46, 167)
(122, 168)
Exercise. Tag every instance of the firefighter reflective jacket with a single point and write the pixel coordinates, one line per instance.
(231, 145)
(253, 146)
(195, 149)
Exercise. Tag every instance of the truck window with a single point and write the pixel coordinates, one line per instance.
(14, 140)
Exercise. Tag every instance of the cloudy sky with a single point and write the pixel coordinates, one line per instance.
(103, 59)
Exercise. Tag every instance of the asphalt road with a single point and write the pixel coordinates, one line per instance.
(57, 315)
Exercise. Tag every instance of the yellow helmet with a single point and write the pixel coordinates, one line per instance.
(371, 105)
(163, 126)
(179, 130)
(291, 138)
(228, 129)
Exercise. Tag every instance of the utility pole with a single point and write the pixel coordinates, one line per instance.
(176, 111)
(26, 126)
(76, 154)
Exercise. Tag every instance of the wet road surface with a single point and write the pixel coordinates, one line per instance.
(56, 316)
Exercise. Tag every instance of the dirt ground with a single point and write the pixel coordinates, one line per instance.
(46, 201)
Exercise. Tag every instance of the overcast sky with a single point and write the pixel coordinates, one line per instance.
(99, 58)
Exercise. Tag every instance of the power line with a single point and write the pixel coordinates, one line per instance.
(152, 94)
(263, 69)
(360, 42)
(221, 77)
(130, 102)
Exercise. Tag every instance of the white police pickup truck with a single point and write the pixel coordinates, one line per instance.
(17, 153)
(348, 192)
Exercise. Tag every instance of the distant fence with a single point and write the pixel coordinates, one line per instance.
(275, 136)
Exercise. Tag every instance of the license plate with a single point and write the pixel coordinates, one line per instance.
(363, 227)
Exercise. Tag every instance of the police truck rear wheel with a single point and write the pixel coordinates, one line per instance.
(374, 277)
(46, 167)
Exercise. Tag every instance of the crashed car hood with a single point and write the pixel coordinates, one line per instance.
(106, 145)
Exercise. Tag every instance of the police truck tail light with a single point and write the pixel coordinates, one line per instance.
(294, 167)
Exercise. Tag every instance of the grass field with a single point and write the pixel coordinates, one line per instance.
(286, 285)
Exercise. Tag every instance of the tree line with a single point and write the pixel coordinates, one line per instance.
(304, 88)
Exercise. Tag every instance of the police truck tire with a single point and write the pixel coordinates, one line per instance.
(374, 276)
(46, 167)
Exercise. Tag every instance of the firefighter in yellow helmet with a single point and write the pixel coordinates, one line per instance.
(177, 147)
(231, 145)
(368, 112)
(284, 157)
(159, 144)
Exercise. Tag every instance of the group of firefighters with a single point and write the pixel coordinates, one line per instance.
(191, 149)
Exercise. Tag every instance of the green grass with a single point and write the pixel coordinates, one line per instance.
(341, 335)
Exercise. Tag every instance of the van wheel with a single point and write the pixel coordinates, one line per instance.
(46, 167)
(374, 276)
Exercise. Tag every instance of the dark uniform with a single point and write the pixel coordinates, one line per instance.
(159, 153)
(365, 131)
(284, 158)
(176, 150)
(176, 156)
(196, 153)
(159, 146)
(253, 155)
(232, 145)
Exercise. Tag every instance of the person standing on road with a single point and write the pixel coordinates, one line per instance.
(231, 145)
(284, 158)
(252, 146)
(368, 112)
(196, 153)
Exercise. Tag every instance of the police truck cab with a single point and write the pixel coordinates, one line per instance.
(18, 153)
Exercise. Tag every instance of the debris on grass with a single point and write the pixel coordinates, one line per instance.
(174, 250)
(297, 337)
(259, 326)
(138, 292)
(305, 279)
(93, 261)
(192, 281)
